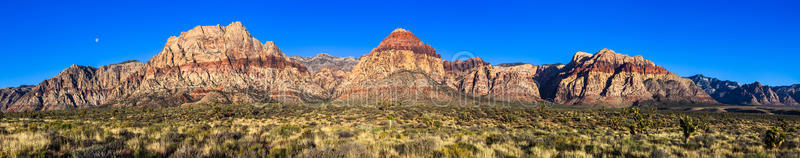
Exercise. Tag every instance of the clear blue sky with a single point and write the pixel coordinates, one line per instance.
(742, 41)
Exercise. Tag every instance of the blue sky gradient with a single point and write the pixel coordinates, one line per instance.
(743, 41)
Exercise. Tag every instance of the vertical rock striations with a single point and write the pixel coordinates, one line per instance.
(225, 61)
(324, 60)
(730, 92)
(758, 94)
(612, 79)
(8, 96)
(718, 89)
(402, 67)
(76, 87)
(786, 92)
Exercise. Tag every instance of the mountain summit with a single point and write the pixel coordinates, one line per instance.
(401, 39)
(226, 64)
(401, 64)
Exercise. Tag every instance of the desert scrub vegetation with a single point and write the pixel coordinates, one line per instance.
(395, 130)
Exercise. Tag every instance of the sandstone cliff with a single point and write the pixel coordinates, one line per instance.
(402, 67)
(785, 92)
(324, 60)
(225, 61)
(499, 83)
(225, 64)
(76, 87)
(9, 96)
(612, 79)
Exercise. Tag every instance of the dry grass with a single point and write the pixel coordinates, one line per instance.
(379, 131)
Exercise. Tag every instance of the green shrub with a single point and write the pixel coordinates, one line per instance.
(774, 138)
(459, 150)
(287, 130)
(688, 128)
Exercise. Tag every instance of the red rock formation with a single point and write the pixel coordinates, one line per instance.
(401, 65)
(401, 39)
(458, 65)
(515, 83)
(608, 78)
(225, 61)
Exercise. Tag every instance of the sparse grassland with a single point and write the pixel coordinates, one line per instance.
(395, 131)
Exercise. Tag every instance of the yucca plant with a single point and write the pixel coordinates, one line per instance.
(774, 138)
(689, 128)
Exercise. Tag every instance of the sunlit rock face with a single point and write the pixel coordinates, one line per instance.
(8, 96)
(75, 87)
(787, 92)
(225, 64)
(611, 79)
(402, 67)
(222, 60)
(328, 72)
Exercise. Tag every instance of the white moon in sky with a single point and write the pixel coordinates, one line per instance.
(96, 40)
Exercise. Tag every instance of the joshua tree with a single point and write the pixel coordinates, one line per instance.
(688, 127)
(774, 138)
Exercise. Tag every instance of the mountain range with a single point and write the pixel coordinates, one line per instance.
(226, 64)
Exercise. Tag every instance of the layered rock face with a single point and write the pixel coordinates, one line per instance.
(77, 87)
(718, 89)
(504, 83)
(225, 64)
(758, 94)
(608, 78)
(225, 61)
(729, 92)
(786, 92)
(401, 67)
(9, 96)
(323, 60)
(459, 68)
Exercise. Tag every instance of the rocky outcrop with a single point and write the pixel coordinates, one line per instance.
(9, 96)
(401, 39)
(455, 68)
(323, 60)
(76, 87)
(729, 92)
(516, 83)
(402, 67)
(225, 64)
(786, 92)
(718, 89)
(612, 79)
(329, 79)
(223, 60)
(758, 94)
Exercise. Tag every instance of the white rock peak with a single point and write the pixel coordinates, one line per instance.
(399, 30)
